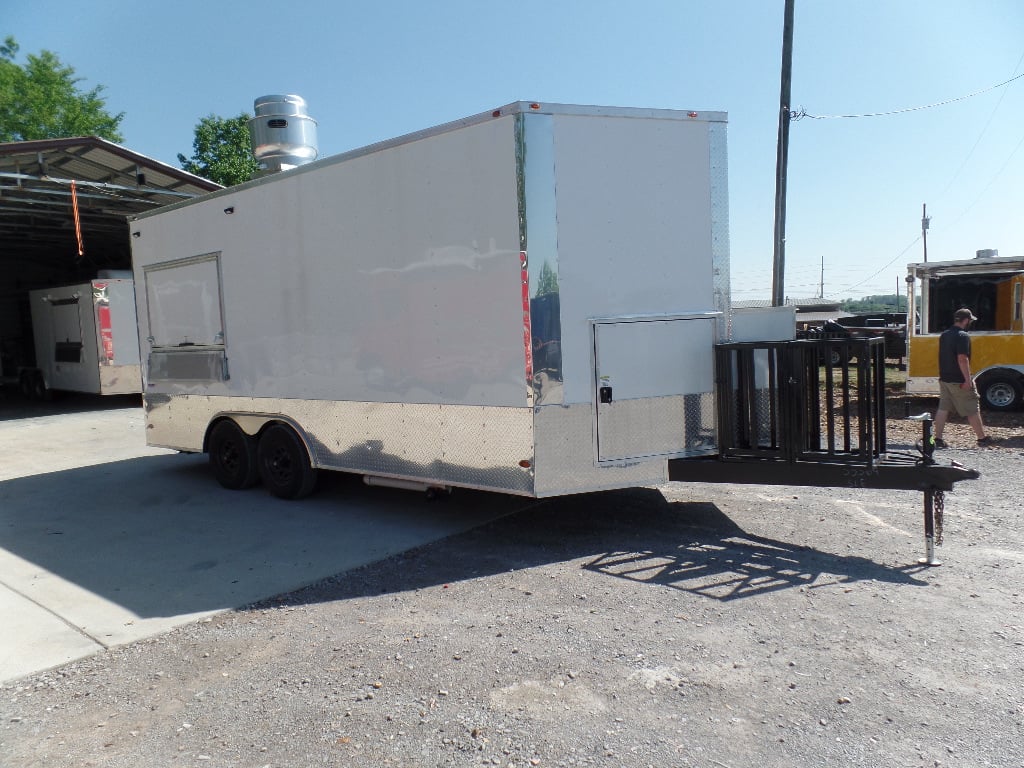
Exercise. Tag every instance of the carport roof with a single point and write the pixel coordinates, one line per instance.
(111, 183)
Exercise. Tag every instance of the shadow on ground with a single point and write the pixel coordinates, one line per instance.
(633, 534)
(159, 537)
(14, 406)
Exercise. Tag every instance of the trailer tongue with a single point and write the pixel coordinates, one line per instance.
(783, 419)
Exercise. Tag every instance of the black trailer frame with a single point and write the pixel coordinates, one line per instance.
(788, 416)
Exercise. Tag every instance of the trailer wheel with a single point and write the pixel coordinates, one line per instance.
(233, 456)
(39, 389)
(284, 464)
(1001, 392)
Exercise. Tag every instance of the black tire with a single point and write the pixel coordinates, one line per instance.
(39, 389)
(1001, 392)
(834, 355)
(284, 464)
(25, 384)
(233, 456)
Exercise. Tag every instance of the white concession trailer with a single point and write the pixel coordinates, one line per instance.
(523, 301)
(86, 338)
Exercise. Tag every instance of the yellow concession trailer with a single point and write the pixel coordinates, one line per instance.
(993, 288)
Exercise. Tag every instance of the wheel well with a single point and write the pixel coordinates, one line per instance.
(1000, 373)
(255, 424)
(209, 431)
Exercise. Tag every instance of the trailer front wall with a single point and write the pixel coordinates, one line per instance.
(117, 337)
(642, 229)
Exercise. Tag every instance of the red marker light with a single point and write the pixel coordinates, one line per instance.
(691, 114)
(496, 113)
(535, 106)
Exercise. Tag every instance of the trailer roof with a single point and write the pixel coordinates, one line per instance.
(516, 107)
(993, 265)
(111, 183)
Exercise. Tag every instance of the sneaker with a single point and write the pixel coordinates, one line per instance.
(986, 440)
(940, 443)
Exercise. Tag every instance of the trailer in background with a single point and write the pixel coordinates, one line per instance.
(64, 207)
(993, 288)
(86, 339)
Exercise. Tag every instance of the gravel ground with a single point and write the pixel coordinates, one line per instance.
(688, 625)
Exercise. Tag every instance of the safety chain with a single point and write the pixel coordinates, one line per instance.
(939, 509)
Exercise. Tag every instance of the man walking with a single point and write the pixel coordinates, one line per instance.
(957, 392)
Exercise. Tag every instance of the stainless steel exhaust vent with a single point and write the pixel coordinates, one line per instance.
(283, 135)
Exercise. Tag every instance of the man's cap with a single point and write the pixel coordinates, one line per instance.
(964, 314)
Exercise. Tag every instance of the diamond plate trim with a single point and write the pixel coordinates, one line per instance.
(468, 446)
(566, 456)
(668, 427)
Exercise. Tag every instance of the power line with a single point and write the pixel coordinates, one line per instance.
(981, 135)
(989, 185)
(880, 271)
(802, 113)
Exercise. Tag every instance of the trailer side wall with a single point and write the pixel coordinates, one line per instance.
(376, 303)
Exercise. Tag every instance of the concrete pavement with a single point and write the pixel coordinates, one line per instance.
(104, 541)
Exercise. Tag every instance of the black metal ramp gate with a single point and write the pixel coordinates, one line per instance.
(789, 415)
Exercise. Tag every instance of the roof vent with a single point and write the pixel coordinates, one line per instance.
(986, 253)
(283, 135)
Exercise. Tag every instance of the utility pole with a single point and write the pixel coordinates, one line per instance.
(782, 160)
(821, 285)
(925, 221)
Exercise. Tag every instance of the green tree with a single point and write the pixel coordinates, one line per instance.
(879, 303)
(41, 100)
(547, 280)
(221, 150)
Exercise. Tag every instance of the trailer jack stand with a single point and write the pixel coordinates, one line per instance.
(933, 497)
(934, 503)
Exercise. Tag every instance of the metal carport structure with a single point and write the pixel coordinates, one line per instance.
(40, 184)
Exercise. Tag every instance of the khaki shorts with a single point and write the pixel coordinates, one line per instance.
(955, 399)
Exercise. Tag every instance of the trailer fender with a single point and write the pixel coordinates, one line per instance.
(247, 422)
(254, 424)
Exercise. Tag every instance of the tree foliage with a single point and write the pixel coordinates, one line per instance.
(41, 100)
(221, 150)
(879, 303)
(547, 281)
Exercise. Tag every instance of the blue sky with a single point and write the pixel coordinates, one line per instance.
(375, 70)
